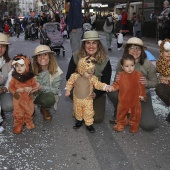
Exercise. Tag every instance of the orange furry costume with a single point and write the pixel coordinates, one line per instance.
(83, 88)
(23, 101)
(129, 91)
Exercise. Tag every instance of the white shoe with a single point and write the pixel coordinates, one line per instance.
(119, 49)
(1, 129)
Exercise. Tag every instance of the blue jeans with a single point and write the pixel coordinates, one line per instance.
(75, 39)
(109, 37)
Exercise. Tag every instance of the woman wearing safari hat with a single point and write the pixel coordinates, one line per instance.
(5, 67)
(91, 46)
(48, 75)
(135, 47)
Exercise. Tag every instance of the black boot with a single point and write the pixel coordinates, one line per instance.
(168, 118)
(2, 114)
(78, 124)
(90, 129)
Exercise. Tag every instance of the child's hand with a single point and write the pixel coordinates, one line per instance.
(20, 90)
(109, 88)
(67, 93)
(142, 98)
(27, 89)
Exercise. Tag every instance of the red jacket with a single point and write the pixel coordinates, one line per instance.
(124, 18)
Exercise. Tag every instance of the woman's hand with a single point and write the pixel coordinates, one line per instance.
(143, 80)
(93, 95)
(3, 89)
(67, 93)
(39, 87)
(164, 80)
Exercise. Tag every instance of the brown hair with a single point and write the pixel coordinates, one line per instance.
(52, 67)
(126, 57)
(100, 55)
(6, 56)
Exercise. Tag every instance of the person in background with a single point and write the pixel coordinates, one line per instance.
(5, 67)
(119, 35)
(108, 29)
(135, 47)
(138, 26)
(133, 20)
(163, 68)
(124, 21)
(163, 18)
(75, 20)
(91, 46)
(48, 75)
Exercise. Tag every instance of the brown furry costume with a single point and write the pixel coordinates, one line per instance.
(23, 102)
(129, 91)
(83, 88)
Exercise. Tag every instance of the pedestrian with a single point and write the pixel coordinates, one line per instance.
(5, 67)
(119, 35)
(83, 82)
(75, 20)
(20, 86)
(91, 46)
(48, 75)
(108, 29)
(135, 47)
(7, 29)
(138, 26)
(163, 68)
(163, 18)
(131, 92)
(18, 29)
(124, 26)
(32, 31)
(133, 20)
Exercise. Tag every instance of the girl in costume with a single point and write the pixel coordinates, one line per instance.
(83, 82)
(21, 86)
(163, 68)
(130, 94)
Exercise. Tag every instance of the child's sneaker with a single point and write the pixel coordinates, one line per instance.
(1, 129)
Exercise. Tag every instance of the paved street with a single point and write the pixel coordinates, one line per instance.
(56, 145)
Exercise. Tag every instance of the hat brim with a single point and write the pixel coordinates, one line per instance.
(42, 52)
(4, 43)
(136, 44)
(91, 39)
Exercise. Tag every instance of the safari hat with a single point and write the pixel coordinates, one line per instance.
(41, 49)
(4, 39)
(91, 35)
(135, 41)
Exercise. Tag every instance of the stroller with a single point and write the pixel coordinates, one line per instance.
(51, 35)
(87, 27)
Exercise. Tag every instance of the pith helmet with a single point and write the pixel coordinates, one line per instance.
(91, 35)
(135, 41)
(41, 49)
(4, 39)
